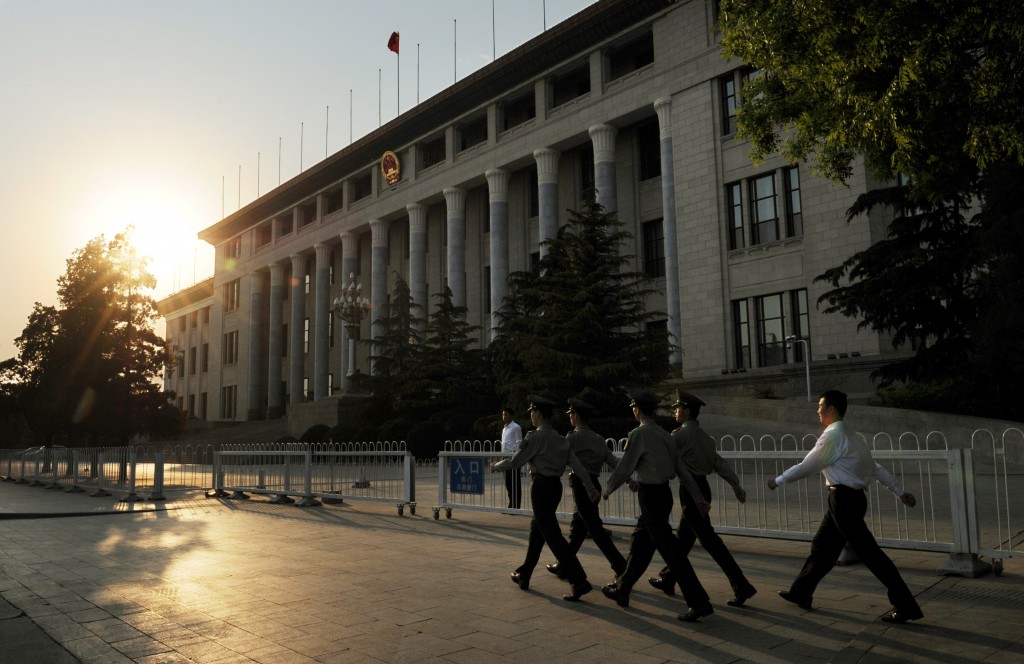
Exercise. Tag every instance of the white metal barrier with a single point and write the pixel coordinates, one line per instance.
(328, 472)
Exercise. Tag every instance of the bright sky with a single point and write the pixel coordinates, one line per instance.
(118, 112)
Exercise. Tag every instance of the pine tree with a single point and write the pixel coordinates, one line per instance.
(580, 320)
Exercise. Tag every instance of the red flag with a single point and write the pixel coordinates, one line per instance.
(393, 42)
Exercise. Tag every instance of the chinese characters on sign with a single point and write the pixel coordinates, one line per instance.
(467, 475)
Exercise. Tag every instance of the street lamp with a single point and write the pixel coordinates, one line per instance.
(790, 340)
(351, 307)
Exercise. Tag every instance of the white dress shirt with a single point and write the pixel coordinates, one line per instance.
(843, 460)
(511, 438)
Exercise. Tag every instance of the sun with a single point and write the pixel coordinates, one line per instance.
(163, 228)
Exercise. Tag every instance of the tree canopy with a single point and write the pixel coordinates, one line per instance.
(88, 365)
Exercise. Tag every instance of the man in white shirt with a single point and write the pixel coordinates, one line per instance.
(511, 438)
(846, 463)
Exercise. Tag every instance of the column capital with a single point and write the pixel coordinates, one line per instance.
(256, 276)
(297, 260)
(547, 164)
(417, 217)
(349, 244)
(379, 232)
(323, 252)
(497, 185)
(455, 197)
(663, 107)
(603, 137)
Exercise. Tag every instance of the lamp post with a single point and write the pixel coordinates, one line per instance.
(790, 340)
(351, 307)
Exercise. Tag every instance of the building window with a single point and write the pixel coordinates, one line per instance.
(307, 214)
(535, 262)
(801, 320)
(487, 291)
(361, 186)
(205, 358)
(335, 200)
(631, 56)
(307, 394)
(230, 353)
(204, 315)
(654, 248)
(264, 234)
(519, 111)
(203, 401)
(586, 163)
(728, 90)
(193, 319)
(771, 331)
(533, 191)
(285, 340)
(794, 213)
(472, 132)
(741, 333)
(569, 86)
(330, 383)
(233, 247)
(764, 218)
(285, 225)
(192, 360)
(228, 397)
(232, 296)
(734, 214)
(330, 330)
(432, 152)
(191, 405)
(648, 138)
(305, 335)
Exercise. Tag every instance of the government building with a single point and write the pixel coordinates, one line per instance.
(630, 97)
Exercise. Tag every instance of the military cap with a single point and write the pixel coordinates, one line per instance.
(646, 400)
(684, 398)
(580, 406)
(538, 402)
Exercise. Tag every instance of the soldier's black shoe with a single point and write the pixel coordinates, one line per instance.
(667, 587)
(742, 596)
(612, 592)
(696, 613)
(521, 580)
(803, 602)
(578, 590)
(556, 570)
(900, 616)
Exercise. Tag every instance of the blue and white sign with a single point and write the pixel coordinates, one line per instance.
(467, 475)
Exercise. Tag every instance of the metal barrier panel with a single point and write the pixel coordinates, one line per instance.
(379, 472)
(998, 493)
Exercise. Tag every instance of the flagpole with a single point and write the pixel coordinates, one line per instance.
(398, 83)
(327, 129)
(494, 45)
(455, 51)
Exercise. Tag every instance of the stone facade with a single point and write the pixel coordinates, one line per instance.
(616, 97)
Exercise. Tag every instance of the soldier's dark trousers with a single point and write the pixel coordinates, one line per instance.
(546, 493)
(587, 518)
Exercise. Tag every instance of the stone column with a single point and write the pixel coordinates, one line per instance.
(663, 106)
(378, 276)
(255, 411)
(296, 356)
(349, 266)
(547, 195)
(321, 322)
(275, 345)
(418, 257)
(456, 200)
(603, 137)
(497, 191)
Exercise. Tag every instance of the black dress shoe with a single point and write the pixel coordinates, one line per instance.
(667, 587)
(521, 580)
(742, 596)
(803, 602)
(695, 614)
(556, 570)
(898, 616)
(578, 590)
(612, 592)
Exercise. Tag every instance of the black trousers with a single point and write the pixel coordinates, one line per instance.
(587, 518)
(546, 493)
(694, 526)
(844, 524)
(514, 487)
(653, 533)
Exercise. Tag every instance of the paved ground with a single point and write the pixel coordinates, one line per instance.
(205, 580)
